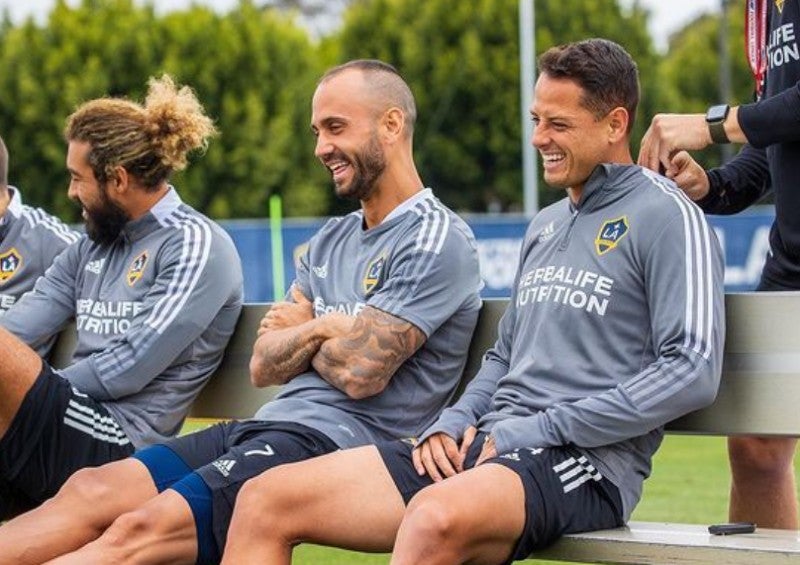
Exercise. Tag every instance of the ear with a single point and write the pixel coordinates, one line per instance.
(393, 123)
(618, 120)
(120, 183)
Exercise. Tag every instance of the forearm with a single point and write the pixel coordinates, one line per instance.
(279, 355)
(772, 120)
(618, 414)
(738, 183)
(361, 362)
(473, 403)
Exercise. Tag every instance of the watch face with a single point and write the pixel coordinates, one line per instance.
(717, 113)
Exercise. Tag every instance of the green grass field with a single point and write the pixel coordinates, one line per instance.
(689, 484)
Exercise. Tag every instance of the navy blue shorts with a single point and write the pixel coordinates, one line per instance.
(564, 493)
(56, 432)
(208, 468)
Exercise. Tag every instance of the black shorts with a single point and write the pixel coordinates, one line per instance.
(209, 467)
(564, 493)
(56, 432)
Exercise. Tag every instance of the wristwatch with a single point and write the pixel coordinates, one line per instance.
(715, 118)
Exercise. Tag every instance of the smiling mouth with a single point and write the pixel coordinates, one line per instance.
(338, 168)
(552, 158)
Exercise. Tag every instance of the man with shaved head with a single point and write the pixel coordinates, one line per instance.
(614, 327)
(369, 344)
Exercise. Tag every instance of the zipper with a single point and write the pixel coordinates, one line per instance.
(565, 240)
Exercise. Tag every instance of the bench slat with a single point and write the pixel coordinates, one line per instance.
(229, 393)
(655, 542)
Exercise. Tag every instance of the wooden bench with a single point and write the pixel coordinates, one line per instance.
(759, 394)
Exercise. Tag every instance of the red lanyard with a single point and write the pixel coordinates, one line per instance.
(755, 36)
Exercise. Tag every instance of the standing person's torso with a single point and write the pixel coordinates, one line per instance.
(783, 73)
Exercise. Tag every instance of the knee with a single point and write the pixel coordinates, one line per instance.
(262, 503)
(129, 526)
(762, 456)
(430, 521)
(87, 487)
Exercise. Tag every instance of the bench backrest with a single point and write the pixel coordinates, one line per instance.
(229, 393)
(760, 372)
(758, 395)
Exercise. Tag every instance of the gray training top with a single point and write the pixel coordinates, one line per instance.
(420, 264)
(30, 239)
(614, 328)
(154, 311)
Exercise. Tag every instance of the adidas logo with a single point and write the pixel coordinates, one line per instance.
(95, 266)
(224, 466)
(548, 232)
(321, 272)
(573, 473)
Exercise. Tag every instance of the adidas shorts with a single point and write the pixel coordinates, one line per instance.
(57, 431)
(564, 493)
(222, 458)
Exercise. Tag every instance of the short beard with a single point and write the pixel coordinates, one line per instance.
(104, 225)
(368, 164)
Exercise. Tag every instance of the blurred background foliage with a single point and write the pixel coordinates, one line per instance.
(255, 67)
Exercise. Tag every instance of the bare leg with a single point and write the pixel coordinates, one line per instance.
(474, 517)
(763, 486)
(162, 530)
(345, 499)
(18, 371)
(84, 507)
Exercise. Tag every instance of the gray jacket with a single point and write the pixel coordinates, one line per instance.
(154, 311)
(615, 327)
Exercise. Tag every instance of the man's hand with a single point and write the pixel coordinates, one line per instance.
(488, 451)
(440, 456)
(287, 314)
(688, 175)
(668, 134)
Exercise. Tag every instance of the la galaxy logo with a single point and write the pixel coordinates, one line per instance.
(779, 4)
(374, 271)
(610, 234)
(137, 268)
(10, 262)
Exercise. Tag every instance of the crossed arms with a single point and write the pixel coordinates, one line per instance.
(357, 355)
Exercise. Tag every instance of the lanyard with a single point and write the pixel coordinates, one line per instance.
(755, 35)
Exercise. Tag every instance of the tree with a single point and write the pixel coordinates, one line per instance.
(253, 69)
(100, 48)
(689, 73)
(462, 62)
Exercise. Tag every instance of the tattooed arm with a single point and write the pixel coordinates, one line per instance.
(288, 337)
(281, 354)
(361, 362)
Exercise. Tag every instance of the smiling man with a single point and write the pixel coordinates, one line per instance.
(155, 290)
(370, 345)
(614, 327)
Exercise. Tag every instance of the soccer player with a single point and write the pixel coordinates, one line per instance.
(614, 327)
(155, 290)
(370, 344)
(30, 239)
